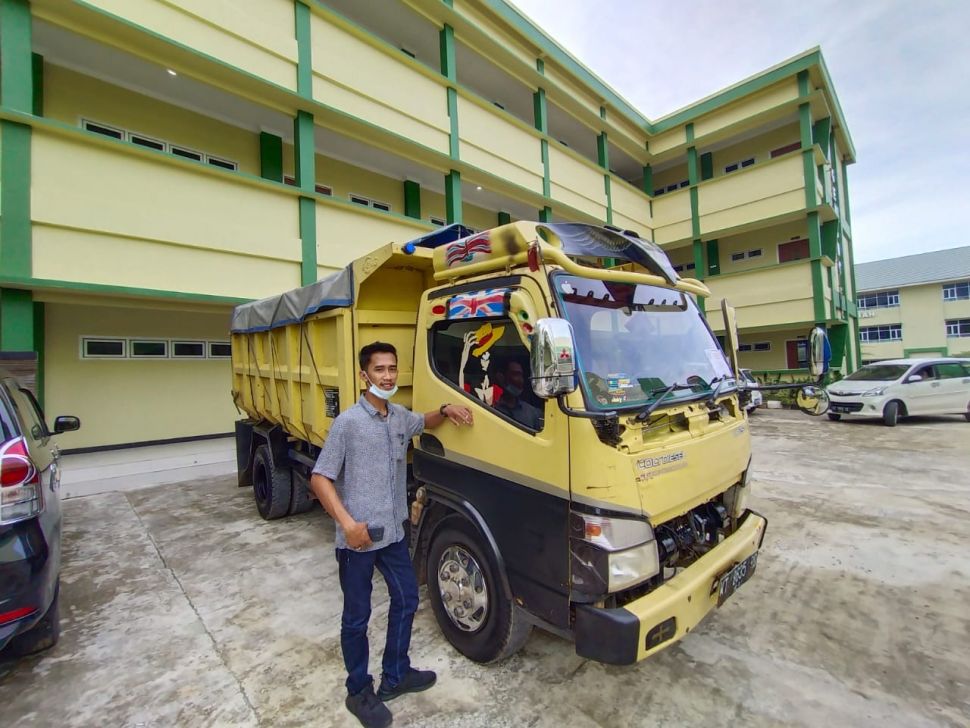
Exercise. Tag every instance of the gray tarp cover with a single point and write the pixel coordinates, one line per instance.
(334, 291)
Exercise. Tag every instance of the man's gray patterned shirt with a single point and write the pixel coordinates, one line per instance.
(365, 455)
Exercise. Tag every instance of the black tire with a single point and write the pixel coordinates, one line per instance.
(966, 416)
(503, 629)
(301, 500)
(834, 416)
(271, 486)
(890, 413)
(42, 635)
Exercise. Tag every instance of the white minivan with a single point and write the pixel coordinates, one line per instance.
(901, 387)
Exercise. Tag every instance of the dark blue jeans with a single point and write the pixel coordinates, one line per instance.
(356, 574)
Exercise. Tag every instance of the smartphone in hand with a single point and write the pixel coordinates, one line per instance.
(376, 533)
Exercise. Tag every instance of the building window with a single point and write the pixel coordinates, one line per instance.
(367, 202)
(102, 129)
(186, 153)
(793, 250)
(737, 256)
(103, 348)
(754, 253)
(148, 348)
(437, 221)
(324, 190)
(885, 299)
(889, 332)
(958, 327)
(657, 193)
(956, 291)
(785, 149)
(755, 346)
(188, 349)
(223, 163)
(143, 141)
(219, 350)
(740, 164)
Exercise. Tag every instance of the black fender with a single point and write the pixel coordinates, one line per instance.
(440, 498)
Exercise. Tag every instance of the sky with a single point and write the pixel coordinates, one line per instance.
(901, 71)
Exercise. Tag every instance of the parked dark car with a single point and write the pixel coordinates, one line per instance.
(30, 522)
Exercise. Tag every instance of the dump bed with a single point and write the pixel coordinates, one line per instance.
(294, 356)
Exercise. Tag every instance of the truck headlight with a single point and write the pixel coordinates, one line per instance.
(610, 554)
(875, 392)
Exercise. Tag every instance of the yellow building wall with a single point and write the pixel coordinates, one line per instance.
(117, 216)
(70, 96)
(874, 351)
(631, 208)
(777, 357)
(780, 93)
(671, 216)
(752, 195)
(359, 78)
(253, 35)
(668, 140)
(478, 218)
(345, 233)
(767, 239)
(495, 32)
(672, 175)
(766, 297)
(124, 400)
(577, 184)
(492, 143)
(758, 147)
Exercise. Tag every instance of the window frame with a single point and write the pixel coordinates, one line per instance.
(83, 341)
(740, 164)
(864, 332)
(957, 325)
(208, 349)
(133, 340)
(889, 296)
(175, 342)
(85, 123)
(955, 288)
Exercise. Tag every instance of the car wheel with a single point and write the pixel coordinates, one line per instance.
(890, 414)
(467, 596)
(271, 486)
(42, 635)
(834, 416)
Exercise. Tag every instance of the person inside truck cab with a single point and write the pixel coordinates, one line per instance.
(513, 382)
(360, 479)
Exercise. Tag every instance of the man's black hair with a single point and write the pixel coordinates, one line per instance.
(377, 347)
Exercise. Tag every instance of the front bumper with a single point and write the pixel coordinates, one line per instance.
(857, 405)
(646, 625)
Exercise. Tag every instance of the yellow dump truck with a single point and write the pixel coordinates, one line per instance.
(603, 501)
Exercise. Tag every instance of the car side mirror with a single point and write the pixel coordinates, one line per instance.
(66, 423)
(553, 358)
(914, 378)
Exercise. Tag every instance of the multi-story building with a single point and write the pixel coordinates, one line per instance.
(916, 305)
(163, 161)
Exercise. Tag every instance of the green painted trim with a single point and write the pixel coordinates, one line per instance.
(699, 267)
(608, 189)
(695, 221)
(304, 153)
(37, 83)
(270, 156)
(453, 197)
(453, 138)
(818, 298)
(540, 111)
(814, 236)
(16, 82)
(308, 237)
(808, 155)
(504, 218)
(802, 78)
(603, 151)
(546, 177)
(16, 320)
(689, 133)
(821, 135)
(15, 227)
(412, 199)
(446, 49)
(941, 350)
(111, 290)
(693, 169)
(449, 3)
(846, 209)
(713, 258)
(304, 45)
(40, 346)
(545, 214)
(648, 180)
(707, 166)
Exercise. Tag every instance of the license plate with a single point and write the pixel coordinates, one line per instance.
(836, 408)
(729, 582)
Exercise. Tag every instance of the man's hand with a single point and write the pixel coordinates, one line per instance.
(357, 537)
(459, 415)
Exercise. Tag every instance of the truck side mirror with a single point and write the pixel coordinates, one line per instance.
(820, 352)
(731, 337)
(812, 400)
(553, 359)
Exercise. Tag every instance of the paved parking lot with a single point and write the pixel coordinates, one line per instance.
(181, 607)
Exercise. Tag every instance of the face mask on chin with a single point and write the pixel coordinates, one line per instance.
(384, 394)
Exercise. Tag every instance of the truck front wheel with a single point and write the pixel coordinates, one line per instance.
(466, 595)
(272, 485)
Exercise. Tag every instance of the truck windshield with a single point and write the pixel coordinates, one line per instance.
(635, 341)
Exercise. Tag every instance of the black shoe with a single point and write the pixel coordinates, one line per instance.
(370, 711)
(414, 681)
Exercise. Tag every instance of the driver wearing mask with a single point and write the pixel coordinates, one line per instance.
(510, 402)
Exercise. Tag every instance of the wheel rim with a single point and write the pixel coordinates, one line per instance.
(464, 594)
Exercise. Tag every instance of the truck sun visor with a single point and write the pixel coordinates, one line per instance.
(334, 291)
(599, 242)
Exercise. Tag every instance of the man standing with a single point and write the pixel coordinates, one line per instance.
(360, 479)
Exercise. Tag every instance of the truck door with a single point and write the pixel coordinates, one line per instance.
(512, 465)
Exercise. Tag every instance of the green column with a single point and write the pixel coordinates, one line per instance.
(545, 214)
(16, 320)
(304, 66)
(707, 165)
(541, 121)
(453, 197)
(713, 258)
(504, 218)
(412, 199)
(446, 46)
(648, 180)
(270, 156)
(37, 66)
(305, 164)
(603, 156)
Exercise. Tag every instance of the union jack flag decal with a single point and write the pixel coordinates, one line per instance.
(464, 250)
(483, 304)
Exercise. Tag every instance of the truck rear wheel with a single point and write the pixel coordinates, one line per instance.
(300, 501)
(272, 486)
(467, 596)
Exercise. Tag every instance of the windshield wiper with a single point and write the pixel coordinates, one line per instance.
(712, 397)
(664, 392)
